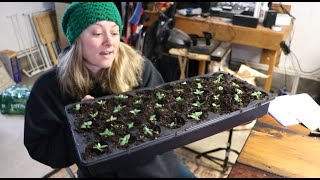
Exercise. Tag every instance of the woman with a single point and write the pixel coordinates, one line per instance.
(96, 64)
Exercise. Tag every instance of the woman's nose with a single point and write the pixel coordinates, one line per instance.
(107, 39)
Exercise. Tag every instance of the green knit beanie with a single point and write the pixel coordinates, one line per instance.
(81, 15)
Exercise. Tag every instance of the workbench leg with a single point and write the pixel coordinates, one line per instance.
(272, 59)
(182, 64)
(202, 67)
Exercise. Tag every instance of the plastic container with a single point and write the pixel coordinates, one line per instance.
(169, 139)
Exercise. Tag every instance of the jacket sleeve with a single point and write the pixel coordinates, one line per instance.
(151, 76)
(46, 133)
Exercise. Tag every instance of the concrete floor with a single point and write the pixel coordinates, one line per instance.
(16, 162)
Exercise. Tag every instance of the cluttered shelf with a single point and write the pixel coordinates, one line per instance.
(259, 37)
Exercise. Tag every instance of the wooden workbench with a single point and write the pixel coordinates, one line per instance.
(259, 37)
(273, 150)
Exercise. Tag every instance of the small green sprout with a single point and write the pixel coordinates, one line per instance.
(93, 115)
(130, 125)
(179, 99)
(216, 97)
(86, 125)
(157, 106)
(257, 94)
(99, 147)
(199, 85)
(124, 140)
(152, 118)
(121, 96)
(178, 90)
(111, 119)
(234, 84)
(106, 133)
(184, 83)
(220, 88)
(197, 104)
(198, 92)
(101, 102)
(138, 101)
(160, 95)
(147, 131)
(172, 124)
(135, 111)
(237, 98)
(195, 115)
(197, 79)
(118, 108)
(239, 91)
(218, 79)
(78, 106)
(215, 105)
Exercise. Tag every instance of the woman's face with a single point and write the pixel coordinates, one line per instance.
(100, 44)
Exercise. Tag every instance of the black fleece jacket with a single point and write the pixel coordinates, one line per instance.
(48, 138)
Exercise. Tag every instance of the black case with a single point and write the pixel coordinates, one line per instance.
(243, 20)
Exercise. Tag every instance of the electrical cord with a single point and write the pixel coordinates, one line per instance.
(286, 50)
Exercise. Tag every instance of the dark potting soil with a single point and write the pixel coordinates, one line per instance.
(125, 120)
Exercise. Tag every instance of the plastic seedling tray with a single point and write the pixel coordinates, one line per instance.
(225, 102)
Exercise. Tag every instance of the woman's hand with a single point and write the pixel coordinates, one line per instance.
(87, 97)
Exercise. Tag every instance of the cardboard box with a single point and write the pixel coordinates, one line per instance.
(5, 79)
(11, 63)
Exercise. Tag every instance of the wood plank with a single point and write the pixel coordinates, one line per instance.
(243, 171)
(282, 153)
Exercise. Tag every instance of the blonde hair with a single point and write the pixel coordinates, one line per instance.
(76, 80)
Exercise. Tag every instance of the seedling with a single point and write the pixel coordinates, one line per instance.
(184, 83)
(216, 97)
(220, 88)
(198, 92)
(111, 119)
(239, 91)
(86, 125)
(78, 106)
(237, 98)
(130, 125)
(172, 124)
(179, 99)
(147, 131)
(257, 94)
(135, 111)
(101, 102)
(199, 85)
(234, 84)
(197, 104)
(179, 90)
(160, 95)
(93, 115)
(215, 105)
(106, 133)
(124, 140)
(218, 79)
(157, 106)
(195, 115)
(118, 108)
(152, 118)
(99, 147)
(138, 101)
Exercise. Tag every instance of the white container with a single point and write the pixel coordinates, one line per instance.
(264, 9)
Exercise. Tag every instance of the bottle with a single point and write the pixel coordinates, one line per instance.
(263, 10)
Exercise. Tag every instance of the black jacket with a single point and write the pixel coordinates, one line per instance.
(47, 136)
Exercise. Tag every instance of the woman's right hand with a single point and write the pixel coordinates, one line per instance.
(87, 97)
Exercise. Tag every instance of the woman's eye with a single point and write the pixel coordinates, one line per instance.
(97, 34)
(114, 33)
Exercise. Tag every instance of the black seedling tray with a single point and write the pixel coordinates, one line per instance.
(169, 139)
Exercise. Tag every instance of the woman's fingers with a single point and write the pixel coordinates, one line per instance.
(87, 97)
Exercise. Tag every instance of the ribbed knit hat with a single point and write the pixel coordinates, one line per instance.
(81, 15)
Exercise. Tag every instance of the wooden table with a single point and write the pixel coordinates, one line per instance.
(273, 150)
(259, 37)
